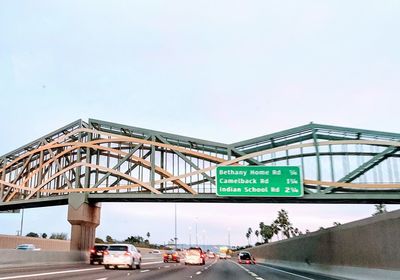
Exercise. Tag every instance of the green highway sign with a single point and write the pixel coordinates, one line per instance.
(269, 181)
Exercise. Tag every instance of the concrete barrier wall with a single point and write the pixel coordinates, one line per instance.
(372, 243)
(11, 242)
(12, 257)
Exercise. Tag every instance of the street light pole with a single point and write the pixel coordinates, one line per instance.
(229, 238)
(197, 242)
(22, 222)
(176, 238)
(190, 236)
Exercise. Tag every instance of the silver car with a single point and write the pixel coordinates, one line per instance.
(122, 255)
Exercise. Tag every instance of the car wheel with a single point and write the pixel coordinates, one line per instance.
(138, 265)
(106, 266)
(91, 262)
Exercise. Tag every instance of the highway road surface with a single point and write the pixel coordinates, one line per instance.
(213, 270)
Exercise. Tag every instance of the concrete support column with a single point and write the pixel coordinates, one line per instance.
(84, 218)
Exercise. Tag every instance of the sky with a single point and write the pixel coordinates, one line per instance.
(223, 71)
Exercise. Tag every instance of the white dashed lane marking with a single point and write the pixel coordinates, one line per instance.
(49, 273)
(249, 272)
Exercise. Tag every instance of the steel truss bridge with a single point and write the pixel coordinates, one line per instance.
(115, 162)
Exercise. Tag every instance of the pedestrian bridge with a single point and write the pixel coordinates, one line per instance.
(115, 162)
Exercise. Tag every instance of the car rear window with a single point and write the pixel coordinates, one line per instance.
(100, 247)
(118, 248)
(245, 256)
(193, 252)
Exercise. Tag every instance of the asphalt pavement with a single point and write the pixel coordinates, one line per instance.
(155, 269)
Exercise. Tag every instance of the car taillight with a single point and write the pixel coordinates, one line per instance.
(127, 254)
(247, 262)
(92, 251)
(106, 252)
(165, 255)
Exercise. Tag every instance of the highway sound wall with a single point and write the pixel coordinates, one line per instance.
(12, 241)
(372, 244)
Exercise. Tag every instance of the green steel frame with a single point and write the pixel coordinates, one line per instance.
(115, 162)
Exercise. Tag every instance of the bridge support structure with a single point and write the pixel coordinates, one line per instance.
(84, 218)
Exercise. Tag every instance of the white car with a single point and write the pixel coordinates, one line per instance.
(195, 256)
(222, 256)
(27, 247)
(122, 254)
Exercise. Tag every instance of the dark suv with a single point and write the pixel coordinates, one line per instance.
(96, 253)
(246, 258)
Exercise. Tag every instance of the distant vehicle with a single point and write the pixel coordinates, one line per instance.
(122, 254)
(96, 253)
(246, 258)
(211, 255)
(27, 247)
(195, 255)
(228, 257)
(155, 252)
(171, 256)
(222, 255)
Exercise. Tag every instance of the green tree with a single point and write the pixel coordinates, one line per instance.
(99, 240)
(266, 232)
(32, 234)
(109, 239)
(134, 239)
(44, 235)
(379, 209)
(275, 229)
(148, 235)
(283, 223)
(60, 236)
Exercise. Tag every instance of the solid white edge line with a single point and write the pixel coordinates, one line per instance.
(294, 274)
(146, 270)
(49, 273)
(60, 272)
(150, 263)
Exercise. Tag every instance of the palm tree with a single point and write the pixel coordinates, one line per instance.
(248, 236)
(250, 231)
(257, 233)
(275, 229)
(379, 209)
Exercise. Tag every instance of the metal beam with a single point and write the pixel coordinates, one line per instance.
(249, 160)
(119, 163)
(188, 161)
(369, 164)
